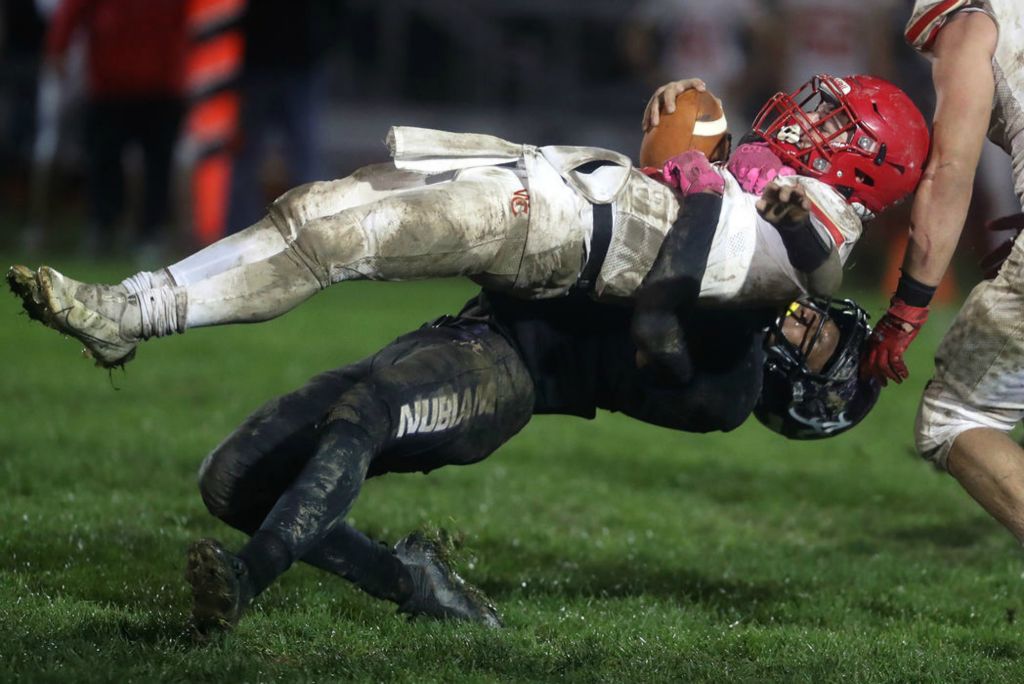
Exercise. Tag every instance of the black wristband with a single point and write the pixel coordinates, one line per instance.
(806, 249)
(913, 292)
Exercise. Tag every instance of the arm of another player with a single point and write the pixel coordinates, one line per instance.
(672, 287)
(964, 87)
(809, 247)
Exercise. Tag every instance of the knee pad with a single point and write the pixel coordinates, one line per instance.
(294, 209)
(365, 408)
(215, 485)
(337, 247)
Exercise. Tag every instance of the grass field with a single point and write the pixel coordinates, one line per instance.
(616, 551)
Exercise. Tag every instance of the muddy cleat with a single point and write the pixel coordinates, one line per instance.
(438, 591)
(221, 589)
(92, 314)
(23, 283)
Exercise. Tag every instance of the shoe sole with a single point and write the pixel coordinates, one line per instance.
(22, 282)
(214, 588)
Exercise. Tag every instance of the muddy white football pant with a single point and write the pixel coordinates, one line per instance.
(979, 366)
(378, 224)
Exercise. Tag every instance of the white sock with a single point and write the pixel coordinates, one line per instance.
(259, 241)
(147, 280)
(251, 293)
(162, 311)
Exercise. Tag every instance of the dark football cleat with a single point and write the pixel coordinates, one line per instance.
(221, 589)
(438, 591)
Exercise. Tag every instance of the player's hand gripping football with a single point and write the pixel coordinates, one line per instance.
(664, 100)
(783, 206)
(882, 358)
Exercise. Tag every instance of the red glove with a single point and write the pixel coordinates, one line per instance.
(883, 357)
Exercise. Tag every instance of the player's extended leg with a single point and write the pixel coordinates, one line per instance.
(990, 466)
(977, 396)
(464, 227)
(244, 476)
(273, 233)
(104, 309)
(445, 395)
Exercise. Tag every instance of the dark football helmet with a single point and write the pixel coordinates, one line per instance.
(860, 134)
(799, 403)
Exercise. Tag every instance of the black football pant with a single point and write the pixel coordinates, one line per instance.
(447, 394)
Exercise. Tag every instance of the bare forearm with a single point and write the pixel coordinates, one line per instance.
(937, 220)
(964, 87)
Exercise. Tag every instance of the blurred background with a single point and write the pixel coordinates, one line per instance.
(141, 129)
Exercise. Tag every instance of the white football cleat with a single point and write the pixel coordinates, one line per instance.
(92, 314)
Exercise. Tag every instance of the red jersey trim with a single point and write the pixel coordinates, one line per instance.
(914, 31)
(830, 226)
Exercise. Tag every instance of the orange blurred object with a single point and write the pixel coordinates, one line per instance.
(214, 64)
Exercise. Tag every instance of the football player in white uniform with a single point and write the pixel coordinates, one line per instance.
(536, 222)
(977, 393)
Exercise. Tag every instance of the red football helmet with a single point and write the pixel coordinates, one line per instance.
(860, 134)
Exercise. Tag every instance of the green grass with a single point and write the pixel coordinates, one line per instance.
(616, 551)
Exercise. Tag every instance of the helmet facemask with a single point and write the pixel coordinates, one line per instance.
(803, 400)
(843, 132)
(805, 335)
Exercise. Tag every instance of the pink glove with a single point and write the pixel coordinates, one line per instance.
(691, 172)
(754, 165)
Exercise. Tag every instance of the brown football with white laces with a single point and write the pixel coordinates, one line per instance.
(698, 123)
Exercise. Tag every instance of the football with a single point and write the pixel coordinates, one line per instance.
(697, 124)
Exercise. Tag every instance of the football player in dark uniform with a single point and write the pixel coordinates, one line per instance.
(455, 390)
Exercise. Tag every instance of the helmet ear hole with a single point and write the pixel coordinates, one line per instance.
(864, 179)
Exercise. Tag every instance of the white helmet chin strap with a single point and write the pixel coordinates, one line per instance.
(862, 212)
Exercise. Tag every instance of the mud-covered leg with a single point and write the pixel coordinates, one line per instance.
(462, 227)
(479, 394)
(272, 234)
(242, 479)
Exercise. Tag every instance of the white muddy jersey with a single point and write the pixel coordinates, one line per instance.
(748, 263)
(1007, 126)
